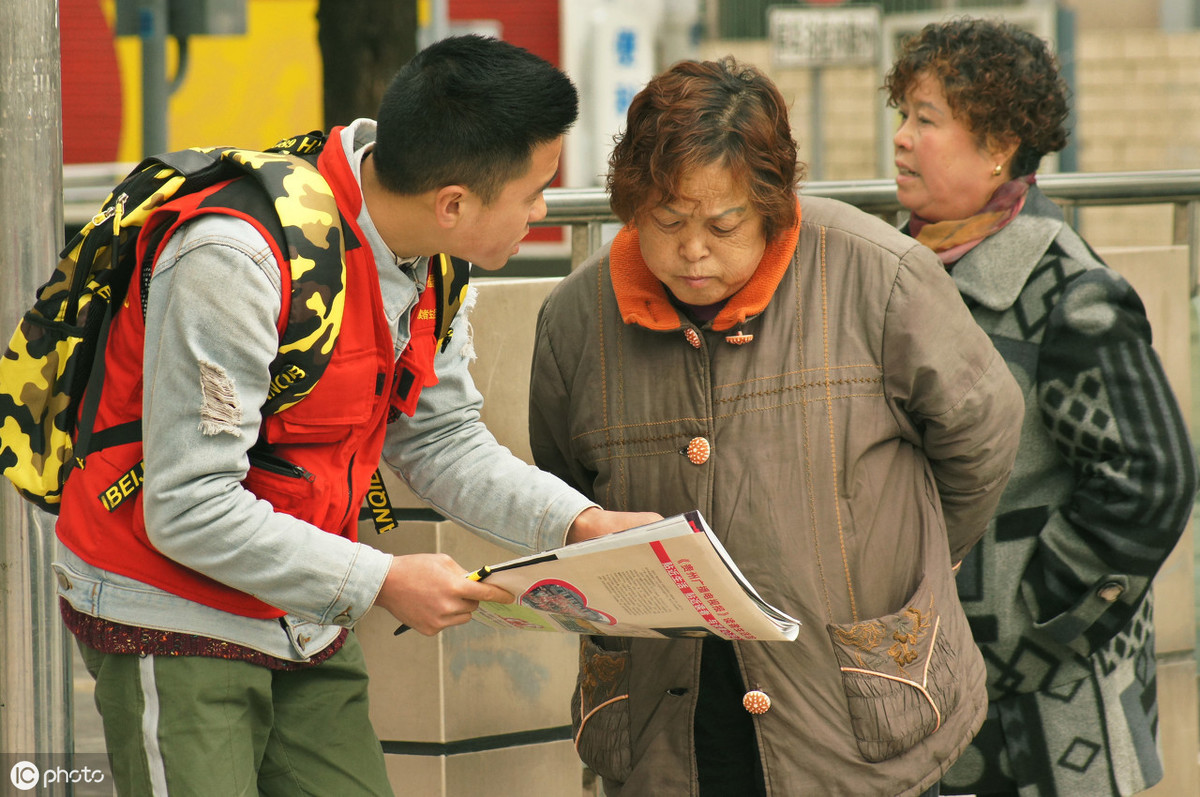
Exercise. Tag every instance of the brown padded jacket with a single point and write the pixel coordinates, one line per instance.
(857, 445)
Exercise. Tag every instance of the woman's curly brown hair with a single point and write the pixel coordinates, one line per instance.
(702, 112)
(1000, 81)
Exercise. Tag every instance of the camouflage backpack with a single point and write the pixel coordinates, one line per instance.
(55, 359)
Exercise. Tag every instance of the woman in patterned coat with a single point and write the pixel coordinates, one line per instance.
(1058, 592)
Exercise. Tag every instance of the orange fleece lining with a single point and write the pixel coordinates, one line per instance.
(643, 300)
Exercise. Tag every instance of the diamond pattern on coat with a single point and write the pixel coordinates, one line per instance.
(1079, 755)
(1065, 692)
(1134, 640)
(1034, 305)
(1028, 663)
(1080, 417)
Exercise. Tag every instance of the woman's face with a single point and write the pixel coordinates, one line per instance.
(942, 172)
(705, 245)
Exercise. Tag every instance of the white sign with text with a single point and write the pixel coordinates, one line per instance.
(814, 37)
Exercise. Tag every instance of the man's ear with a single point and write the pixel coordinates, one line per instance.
(449, 205)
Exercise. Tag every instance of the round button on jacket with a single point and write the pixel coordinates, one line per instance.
(757, 702)
(698, 451)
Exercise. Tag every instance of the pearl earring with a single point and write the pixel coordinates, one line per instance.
(997, 170)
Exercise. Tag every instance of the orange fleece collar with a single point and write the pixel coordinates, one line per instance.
(642, 299)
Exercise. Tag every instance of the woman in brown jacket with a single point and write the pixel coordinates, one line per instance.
(808, 378)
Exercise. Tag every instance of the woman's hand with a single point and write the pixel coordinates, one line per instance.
(596, 522)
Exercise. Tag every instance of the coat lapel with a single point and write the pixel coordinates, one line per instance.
(995, 271)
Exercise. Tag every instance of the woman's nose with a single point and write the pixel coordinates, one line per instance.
(693, 248)
(902, 139)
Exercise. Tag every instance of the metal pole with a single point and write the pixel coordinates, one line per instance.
(816, 163)
(585, 239)
(433, 22)
(1187, 233)
(152, 28)
(35, 709)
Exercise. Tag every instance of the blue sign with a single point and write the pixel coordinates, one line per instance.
(626, 46)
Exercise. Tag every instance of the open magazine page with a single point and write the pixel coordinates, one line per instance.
(671, 578)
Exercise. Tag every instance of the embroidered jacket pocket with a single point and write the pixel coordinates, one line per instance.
(600, 709)
(898, 676)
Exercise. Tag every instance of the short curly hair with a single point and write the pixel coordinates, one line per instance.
(702, 112)
(1002, 82)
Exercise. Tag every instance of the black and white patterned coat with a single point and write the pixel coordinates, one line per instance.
(1057, 592)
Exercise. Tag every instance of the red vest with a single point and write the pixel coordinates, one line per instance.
(335, 434)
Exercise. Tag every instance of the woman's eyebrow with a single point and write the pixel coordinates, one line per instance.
(738, 209)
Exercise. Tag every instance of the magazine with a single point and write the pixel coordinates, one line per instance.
(670, 578)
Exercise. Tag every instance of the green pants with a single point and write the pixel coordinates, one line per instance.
(192, 725)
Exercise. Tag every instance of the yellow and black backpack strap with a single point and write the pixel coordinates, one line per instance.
(315, 244)
(306, 145)
(451, 276)
(444, 294)
(288, 195)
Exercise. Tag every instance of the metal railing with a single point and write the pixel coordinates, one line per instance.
(585, 210)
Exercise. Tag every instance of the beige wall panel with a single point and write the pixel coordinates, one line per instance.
(545, 770)
(1120, 14)
(504, 322)
(413, 775)
(472, 681)
(468, 681)
(549, 770)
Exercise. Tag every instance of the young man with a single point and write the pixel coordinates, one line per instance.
(213, 610)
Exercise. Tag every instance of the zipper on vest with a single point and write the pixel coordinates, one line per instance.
(277, 465)
(349, 490)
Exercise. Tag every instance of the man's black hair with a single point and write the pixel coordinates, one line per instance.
(469, 110)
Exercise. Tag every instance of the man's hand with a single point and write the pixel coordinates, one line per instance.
(596, 522)
(430, 592)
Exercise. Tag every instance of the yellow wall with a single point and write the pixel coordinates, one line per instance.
(246, 91)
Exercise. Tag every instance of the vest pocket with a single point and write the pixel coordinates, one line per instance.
(346, 396)
(279, 481)
(897, 675)
(600, 709)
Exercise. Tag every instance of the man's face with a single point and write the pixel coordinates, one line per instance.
(495, 230)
